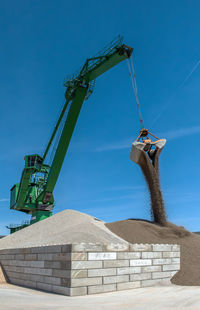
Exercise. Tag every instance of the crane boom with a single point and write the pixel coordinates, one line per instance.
(34, 194)
(63, 144)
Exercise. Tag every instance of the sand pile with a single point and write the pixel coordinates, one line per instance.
(150, 169)
(138, 231)
(68, 226)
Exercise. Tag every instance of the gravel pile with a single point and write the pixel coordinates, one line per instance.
(68, 226)
(138, 231)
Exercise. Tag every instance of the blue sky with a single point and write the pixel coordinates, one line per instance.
(44, 41)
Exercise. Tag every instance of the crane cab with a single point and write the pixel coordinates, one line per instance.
(33, 161)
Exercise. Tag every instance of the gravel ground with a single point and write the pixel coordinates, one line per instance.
(151, 298)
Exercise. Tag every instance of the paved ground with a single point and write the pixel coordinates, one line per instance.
(154, 298)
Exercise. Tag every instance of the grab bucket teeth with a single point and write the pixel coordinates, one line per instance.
(139, 147)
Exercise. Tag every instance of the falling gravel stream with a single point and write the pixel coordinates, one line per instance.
(150, 171)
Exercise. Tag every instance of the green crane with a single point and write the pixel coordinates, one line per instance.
(34, 194)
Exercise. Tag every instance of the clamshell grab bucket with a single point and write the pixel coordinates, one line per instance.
(139, 147)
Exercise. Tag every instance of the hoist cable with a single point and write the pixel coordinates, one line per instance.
(134, 85)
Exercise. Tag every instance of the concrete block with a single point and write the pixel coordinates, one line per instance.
(19, 263)
(171, 254)
(86, 281)
(78, 291)
(7, 256)
(13, 268)
(44, 287)
(61, 273)
(66, 248)
(22, 263)
(102, 256)
(27, 283)
(140, 262)
(140, 247)
(16, 281)
(161, 261)
(101, 288)
(176, 260)
(11, 274)
(128, 270)
(45, 272)
(18, 275)
(23, 283)
(116, 247)
(79, 256)
(128, 255)
(39, 264)
(19, 256)
(5, 262)
(35, 277)
(6, 251)
(8, 263)
(116, 263)
(65, 264)
(87, 247)
(165, 282)
(128, 285)
(51, 264)
(52, 280)
(140, 276)
(86, 264)
(162, 247)
(116, 279)
(36, 250)
(22, 251)
(52, 249)
(164, 274)
(61, 257)
(61, 290)
(30, 257)
(43, 256)
(66, 282)
(156, 282)
(171, 267)
(151, 268)
(175, 247)
(102, 272)
(151, 254)
(79, 273)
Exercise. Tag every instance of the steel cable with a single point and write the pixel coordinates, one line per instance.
(134, 85)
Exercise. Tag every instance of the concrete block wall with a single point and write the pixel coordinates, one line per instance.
(81, 269)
